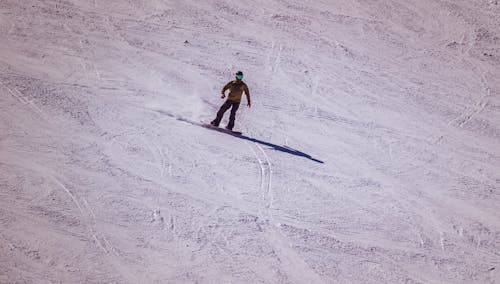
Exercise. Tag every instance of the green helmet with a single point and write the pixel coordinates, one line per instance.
(239, 75)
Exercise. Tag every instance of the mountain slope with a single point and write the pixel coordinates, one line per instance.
(371, 151)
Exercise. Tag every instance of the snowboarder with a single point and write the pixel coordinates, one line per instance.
(236, 89)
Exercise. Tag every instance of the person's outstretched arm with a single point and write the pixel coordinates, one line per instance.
(247, 93)
(224, 89)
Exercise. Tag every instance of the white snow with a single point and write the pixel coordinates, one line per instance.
(371, 152)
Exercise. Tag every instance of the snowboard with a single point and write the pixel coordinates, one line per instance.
(223, 130)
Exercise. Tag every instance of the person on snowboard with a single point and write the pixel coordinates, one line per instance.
(236, 89)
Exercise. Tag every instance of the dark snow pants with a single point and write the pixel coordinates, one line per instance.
(227, 105)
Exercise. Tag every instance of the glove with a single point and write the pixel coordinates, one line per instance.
(222, 96)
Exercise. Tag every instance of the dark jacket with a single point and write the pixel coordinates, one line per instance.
(236, 89)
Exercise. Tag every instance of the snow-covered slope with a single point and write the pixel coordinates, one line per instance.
(371, 152)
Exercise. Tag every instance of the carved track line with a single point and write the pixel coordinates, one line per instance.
(106, 246)
(68, 192)
(23, 100)
(262, 174)
(266, 172)
(269, 192)
(83, 213)
(162, 158)
(292, 262)
(155, 152)
(89, 209)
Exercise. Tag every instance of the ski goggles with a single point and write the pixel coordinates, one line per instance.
(239, 76)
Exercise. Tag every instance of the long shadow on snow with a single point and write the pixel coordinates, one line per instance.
(283, 149)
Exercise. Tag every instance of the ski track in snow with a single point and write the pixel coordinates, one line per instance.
(15, 94)
(85, 211)
(106, 175)
(295, 265)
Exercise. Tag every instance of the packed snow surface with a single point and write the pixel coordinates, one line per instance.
(371, 152)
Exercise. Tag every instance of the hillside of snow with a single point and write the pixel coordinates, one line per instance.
(371, 152)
